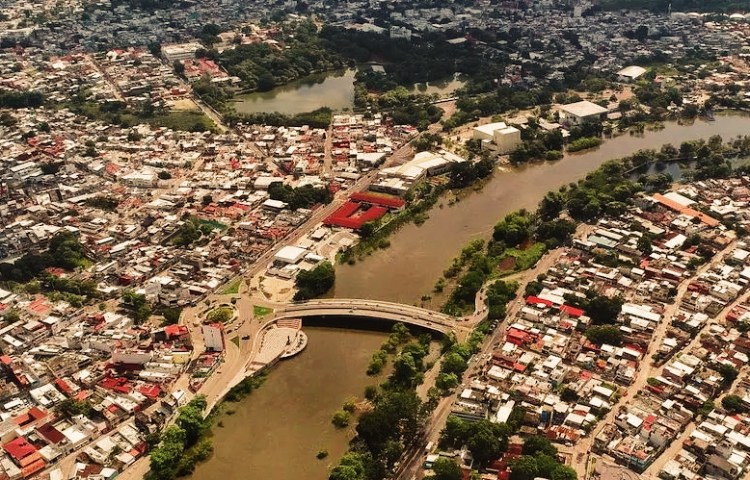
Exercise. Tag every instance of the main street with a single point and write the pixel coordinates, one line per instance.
(237, 359)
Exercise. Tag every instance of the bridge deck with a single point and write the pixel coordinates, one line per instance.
(374, 309)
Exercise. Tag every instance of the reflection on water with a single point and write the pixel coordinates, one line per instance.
(330, 89)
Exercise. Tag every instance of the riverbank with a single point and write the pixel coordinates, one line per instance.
(375, 286)
(418, 254)
(290, 417)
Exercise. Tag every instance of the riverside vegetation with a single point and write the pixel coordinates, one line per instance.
(180, 447)
(382, 434)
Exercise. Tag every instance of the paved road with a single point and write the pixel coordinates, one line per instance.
(238, 359)
(411, 464)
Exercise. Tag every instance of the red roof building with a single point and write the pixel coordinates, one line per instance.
(24, 455)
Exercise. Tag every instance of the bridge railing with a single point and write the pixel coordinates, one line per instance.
(426, 315)
(393, 312)
(373, 303)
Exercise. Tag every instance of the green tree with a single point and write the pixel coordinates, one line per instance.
(487, 441)
(406, 372)
(551, 206)
(453, 363)
(340, 419)
(564, 472)
(600, 334)
(734, 404)
(455, 433)
(728, 372)
(70, 407)
(603, 309)
(315, 282)
(446, 469)
(191, 421)
(137, 304)
(166, 457)
(524, 468)
(644, 245)
(538, 443)
(353, 466)
(514, 229)
(446, 381)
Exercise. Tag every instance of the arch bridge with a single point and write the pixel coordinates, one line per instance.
(396, 312)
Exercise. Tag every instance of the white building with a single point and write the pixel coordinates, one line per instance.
(132, 357)
(631, 73)
(263, 182)
(498, 136)
(213, 337)
(578, 113)
(290, 254)
(140, 178)
(180, 51)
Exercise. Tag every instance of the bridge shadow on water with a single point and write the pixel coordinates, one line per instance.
(354, 322)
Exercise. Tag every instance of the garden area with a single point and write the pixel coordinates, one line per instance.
(221, 314)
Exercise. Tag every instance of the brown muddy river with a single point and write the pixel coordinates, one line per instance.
(276, 432)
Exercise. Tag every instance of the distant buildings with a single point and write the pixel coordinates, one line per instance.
(575, 114)
(631, 73)
(498, 136)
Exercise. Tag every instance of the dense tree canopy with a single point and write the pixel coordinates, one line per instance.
(445, 469)
(603, 309)
(301, 197)
(65, 251)
(485, 440)
(514, 229)
(261, 66)
(734, 404)
(182, 445)
(315, 282)
(20, 99)
(600, 334)
(537, 443)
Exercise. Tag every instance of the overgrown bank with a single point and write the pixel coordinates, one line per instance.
(606, 191)
(182, 446)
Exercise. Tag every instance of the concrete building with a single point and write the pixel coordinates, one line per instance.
(131, 357)
(290, 255)
(213, 337)
(498, 136)
(181, 51)
(574, 114)
(630, 74)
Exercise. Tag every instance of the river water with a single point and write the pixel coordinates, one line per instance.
(419, 254)
(276, 432)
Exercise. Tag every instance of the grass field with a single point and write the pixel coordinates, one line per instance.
(233, 288)
(259, 311)
(523, 259)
